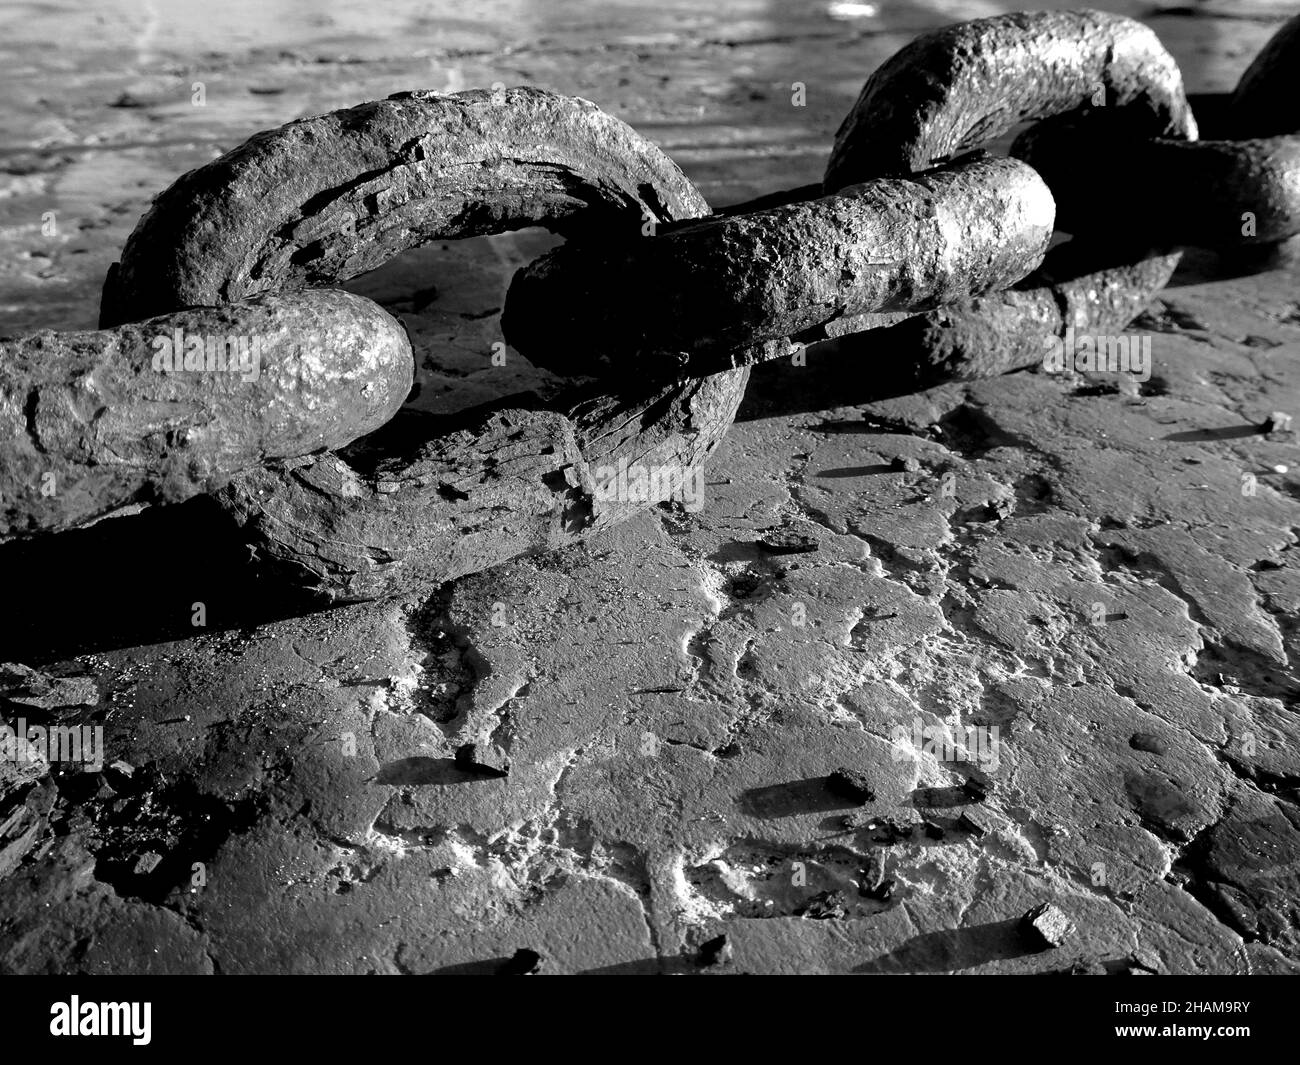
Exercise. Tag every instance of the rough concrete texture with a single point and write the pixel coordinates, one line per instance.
(1082, 562)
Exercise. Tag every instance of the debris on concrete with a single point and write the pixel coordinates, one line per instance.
(715, 951)
(524, 962)
(1047, 926)
(851, 784)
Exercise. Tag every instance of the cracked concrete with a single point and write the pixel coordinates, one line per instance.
(655, 715)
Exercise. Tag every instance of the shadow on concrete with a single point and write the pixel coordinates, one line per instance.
(791, 799)
(135, 580)
(958, 948)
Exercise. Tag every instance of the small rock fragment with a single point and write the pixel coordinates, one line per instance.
(1277, 422)
(1046, 926)
(525, 962)
(146, 863)
(1142, 963)
(850, 784)
(20, 832)
(906, 463)
(20, 765)
(976, 822)
(25, 686)
(787, 542)
(1149, 742)
(873, 874)
(823, 907)
(481, 761)
(978, 790)
(715, 951)
(882, 892)
(872, 882)
(940, 798)
(887, 830)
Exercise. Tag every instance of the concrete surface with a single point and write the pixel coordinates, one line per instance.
(1083, 564)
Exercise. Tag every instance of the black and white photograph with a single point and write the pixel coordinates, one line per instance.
(616, 488)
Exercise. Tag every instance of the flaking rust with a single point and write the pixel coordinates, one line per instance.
(698, 297)
(964, 85)
(324, 199)
(1241, 188)
(508, 482)
(959, 87)
(430, 499)
(160, 410)
(1008, 330)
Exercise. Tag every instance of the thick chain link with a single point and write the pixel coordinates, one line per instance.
(944, 256)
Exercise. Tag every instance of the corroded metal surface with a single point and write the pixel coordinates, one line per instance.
(961, 86)
(157, 411)
(699, 297)
(507, 482)
(324, 199)
(447, 500)
(1242, 187)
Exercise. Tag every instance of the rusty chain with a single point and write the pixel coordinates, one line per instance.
(942, 252)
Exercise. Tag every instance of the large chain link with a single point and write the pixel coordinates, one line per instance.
(944, 256)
